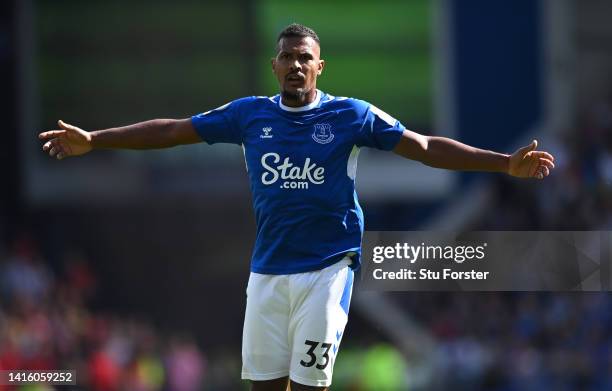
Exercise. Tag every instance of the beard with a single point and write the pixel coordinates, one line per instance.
(298, 95)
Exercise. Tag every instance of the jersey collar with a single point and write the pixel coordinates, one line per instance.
(309, 106)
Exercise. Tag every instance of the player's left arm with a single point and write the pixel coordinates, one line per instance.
(442, 152)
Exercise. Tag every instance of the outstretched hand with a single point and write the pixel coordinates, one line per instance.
(68, 141)
(526, 162)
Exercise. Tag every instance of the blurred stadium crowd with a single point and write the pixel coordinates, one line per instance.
(46, 322)
(516, 341)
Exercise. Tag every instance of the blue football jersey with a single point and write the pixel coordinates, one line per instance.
(302, 164)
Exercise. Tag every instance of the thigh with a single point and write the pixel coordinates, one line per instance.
(265, 343)
(319, 315)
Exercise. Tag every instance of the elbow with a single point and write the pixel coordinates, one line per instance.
(182, 132)
(172, 133)
(422, 149)
(413, 146)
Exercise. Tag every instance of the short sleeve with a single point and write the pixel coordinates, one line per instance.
(219, 125)
(379, 130)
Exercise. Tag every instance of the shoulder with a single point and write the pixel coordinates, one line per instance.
(253, 101)
(244, 106)
(258, 99)
(364, 109)
(345, 103)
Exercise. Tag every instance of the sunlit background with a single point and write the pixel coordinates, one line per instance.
(130, 267)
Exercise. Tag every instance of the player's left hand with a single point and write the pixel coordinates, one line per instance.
(526, 162)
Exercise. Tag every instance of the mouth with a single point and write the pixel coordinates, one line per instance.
(295, 78)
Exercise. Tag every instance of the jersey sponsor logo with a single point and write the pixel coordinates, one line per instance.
(266, 132)
(322, 133)
(290, 175)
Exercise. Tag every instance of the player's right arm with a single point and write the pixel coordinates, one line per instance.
(158, 133)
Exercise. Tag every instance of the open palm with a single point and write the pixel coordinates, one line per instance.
(68, 141)
(526, 162)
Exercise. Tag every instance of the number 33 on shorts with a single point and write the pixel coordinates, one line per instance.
(313, 358)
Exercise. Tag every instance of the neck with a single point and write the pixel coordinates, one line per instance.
(298, 99)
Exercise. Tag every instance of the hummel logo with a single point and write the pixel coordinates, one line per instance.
(267, 130)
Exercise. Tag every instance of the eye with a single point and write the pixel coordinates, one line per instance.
(284, 56)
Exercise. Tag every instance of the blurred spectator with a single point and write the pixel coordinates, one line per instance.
(24, 278)
(185, 365)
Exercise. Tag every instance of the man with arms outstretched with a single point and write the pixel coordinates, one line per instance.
(301, 149)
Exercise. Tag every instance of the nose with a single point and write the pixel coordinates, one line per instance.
(295, 66)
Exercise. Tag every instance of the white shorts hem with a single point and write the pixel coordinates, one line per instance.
(264, 376)
(310, 382)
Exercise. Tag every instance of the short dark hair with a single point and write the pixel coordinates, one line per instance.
(297, 30)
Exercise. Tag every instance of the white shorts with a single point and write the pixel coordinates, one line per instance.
(294, 323)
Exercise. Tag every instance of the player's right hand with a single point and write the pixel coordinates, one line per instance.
(68, 141)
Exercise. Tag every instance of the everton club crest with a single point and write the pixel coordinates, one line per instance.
(322, 133)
